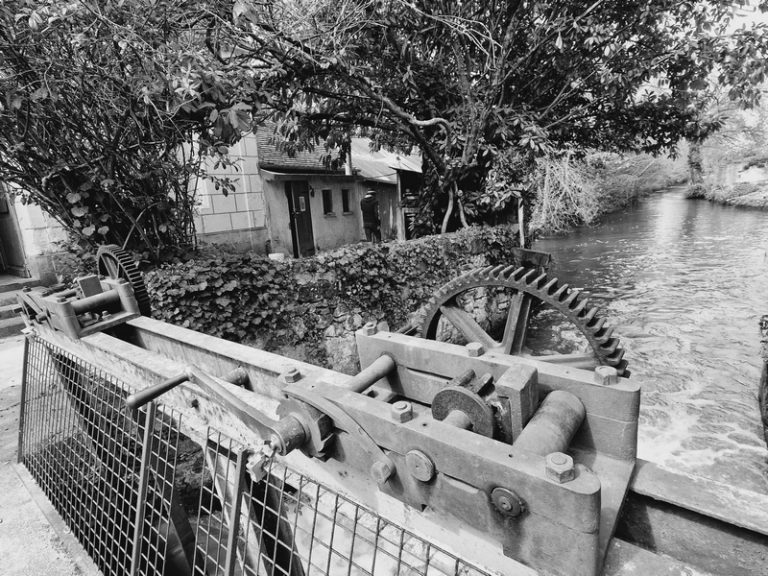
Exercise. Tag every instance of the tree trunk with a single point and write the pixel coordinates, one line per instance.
(448, 211)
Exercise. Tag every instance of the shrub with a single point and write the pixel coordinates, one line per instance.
(249, 298)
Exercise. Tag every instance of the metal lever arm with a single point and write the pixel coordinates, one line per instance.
(282, 435)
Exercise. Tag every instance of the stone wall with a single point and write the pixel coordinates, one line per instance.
(310, 308)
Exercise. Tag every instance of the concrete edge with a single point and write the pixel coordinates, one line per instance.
(78, 555)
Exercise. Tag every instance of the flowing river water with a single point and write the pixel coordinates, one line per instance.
(684, 283)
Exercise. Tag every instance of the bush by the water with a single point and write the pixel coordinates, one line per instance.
(571, 191)
(298, 305)
(749, 194)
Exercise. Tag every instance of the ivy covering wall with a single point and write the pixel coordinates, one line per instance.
(310, 308)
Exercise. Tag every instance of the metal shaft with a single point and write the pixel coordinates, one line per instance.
(382, 366)
(553, 426)
(97, 303)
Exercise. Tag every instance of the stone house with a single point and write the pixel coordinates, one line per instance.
(29, 240)
(294, 205)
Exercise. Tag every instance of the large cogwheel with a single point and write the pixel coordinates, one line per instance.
(116, 263)
(526, 287)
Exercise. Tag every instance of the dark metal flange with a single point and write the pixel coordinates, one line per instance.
(457, 398)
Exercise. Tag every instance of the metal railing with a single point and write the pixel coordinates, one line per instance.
(112, 473)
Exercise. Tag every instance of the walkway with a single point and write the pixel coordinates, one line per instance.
(33, 538)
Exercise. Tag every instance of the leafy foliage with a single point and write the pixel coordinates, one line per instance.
(251, 298)
(96, 102)
(476, 84)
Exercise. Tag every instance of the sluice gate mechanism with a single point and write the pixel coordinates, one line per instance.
(437, 458)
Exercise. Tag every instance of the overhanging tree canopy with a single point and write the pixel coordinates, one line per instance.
(98, 109)
(482, 83)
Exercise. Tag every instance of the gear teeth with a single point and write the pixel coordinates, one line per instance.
(539, 281)
(518, 273)
(598, 325)
(573, 304)
(562, 293)
(127, 270)
(582, 306)
(616, 357)
(604, 334)
(529, 276)
(610, 346)
(572, 301)
(508, 270)
(550, 286)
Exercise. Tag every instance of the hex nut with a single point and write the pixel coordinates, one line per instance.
(507, 502)
(290, 376)
(475, 349)
(606, 375)
(420, 465)
(382, 470)
(369, 329)
(402, 411)
(559, 467)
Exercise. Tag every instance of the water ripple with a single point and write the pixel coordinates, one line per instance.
(684, 283)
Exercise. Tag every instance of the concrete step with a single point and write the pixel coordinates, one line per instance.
(12, 284)
(8, 299)
(11, 326)
(9, 311)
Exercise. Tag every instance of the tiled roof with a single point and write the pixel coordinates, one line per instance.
(270, 158)
(380, 165)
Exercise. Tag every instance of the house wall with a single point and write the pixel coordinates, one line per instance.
(40, 234)
(329, 230)
(239, 218)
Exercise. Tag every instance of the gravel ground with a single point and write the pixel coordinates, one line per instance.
(32, 541)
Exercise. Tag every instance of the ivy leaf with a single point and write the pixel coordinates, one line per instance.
(89, 230)
(73, 197)
(79, 211)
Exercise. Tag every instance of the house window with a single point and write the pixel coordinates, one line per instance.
(345, 201)
(327, 202)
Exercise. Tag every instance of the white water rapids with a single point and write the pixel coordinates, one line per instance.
(684, 283)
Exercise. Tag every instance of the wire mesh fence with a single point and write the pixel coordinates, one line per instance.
(112, 475)
(288, 524)
(108, 472)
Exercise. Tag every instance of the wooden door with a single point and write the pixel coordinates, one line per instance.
(301, 218)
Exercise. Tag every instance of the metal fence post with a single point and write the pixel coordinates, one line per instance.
(141, 500)
(23, 401)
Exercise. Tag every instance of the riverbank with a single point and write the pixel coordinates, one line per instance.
(744, 194)
(572, 192)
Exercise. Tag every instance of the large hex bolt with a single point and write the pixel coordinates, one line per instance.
(606, 375)
(290, 376)
(369, 329)
(507, 502)
(382, 471)
(560, 468)
(420, 465)
(402, 411)
(475, 349)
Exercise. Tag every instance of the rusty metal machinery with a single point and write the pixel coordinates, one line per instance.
(92, 305)
(115, 263)
(436, 458)
(526, 287)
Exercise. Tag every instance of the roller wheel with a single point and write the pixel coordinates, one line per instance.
(113, 262)
(527, 287)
